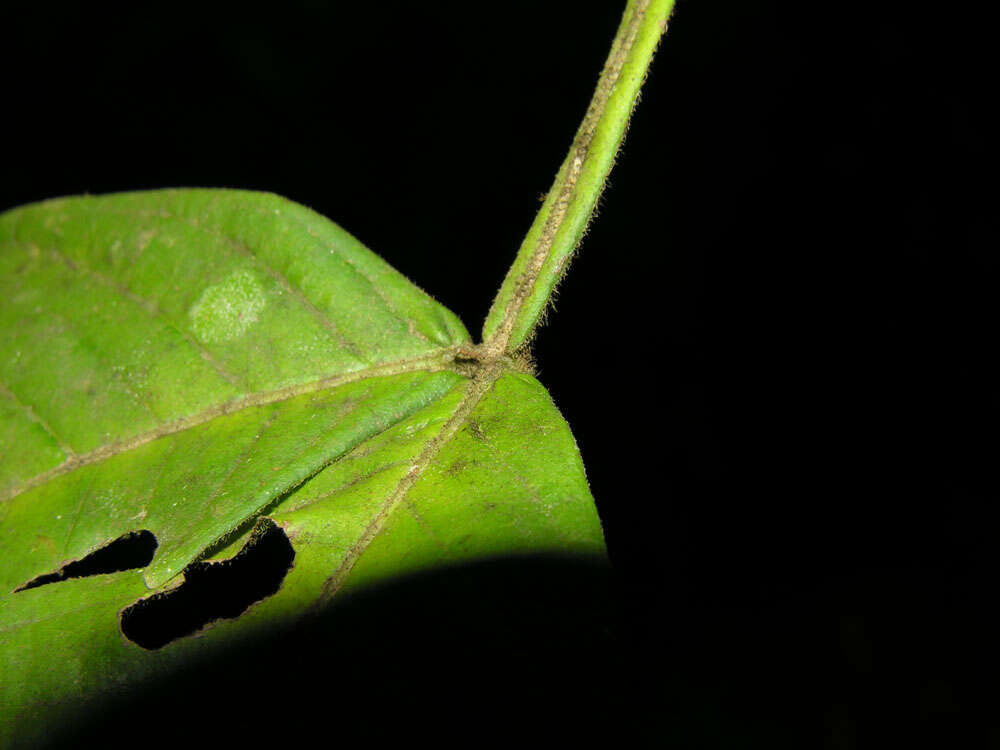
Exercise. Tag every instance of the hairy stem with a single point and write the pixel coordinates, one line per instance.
(563, 218)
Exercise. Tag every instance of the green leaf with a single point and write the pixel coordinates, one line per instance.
(222, 368)
(201, 382)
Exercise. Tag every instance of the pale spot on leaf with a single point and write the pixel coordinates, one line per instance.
(226, 310)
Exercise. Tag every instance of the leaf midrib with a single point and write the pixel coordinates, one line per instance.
(488, 373)
(436, 361)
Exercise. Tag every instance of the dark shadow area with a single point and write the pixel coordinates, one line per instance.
(127, 552)
(213, 590)
(525, 648)
(902, 659)
(794, 264)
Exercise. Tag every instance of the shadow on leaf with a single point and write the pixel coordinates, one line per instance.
(501, 647)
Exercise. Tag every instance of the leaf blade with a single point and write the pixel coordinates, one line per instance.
(195, 486)
(125, 262)
(62, 664)
(345, 464)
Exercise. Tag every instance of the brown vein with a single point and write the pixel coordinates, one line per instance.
(348, 263)
(104, 360)
(153, 311)
(84, 496)
(240, 459)
(426, 528)
(410, 324)
(37, 419)
(530, 489)
(435, 362)
(477, 389)
(349, 484)
(324, 320)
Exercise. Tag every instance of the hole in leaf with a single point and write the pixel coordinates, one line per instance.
(213, 590)
(129, 551)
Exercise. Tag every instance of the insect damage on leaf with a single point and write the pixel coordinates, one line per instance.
(226, 310)
(206, 356)
(128, 552)
(213, 590)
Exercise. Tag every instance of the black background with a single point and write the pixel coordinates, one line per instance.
(775, 349)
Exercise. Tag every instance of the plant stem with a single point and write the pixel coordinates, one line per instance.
(563, 218)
